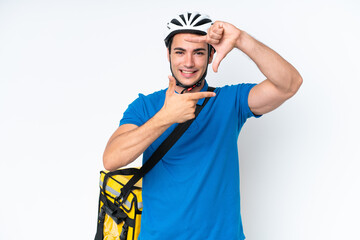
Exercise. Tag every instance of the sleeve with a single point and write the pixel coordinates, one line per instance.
(133, 114)
(242, 96)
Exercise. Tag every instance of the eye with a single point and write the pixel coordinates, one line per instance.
(179, 52)
(200, 53)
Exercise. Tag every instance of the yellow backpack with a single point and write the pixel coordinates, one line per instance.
(119, 219)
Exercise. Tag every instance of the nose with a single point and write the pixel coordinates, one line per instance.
(189, 60)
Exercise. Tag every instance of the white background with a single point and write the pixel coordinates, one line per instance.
(68, 70)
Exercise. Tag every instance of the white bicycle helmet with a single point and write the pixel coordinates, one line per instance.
(187, 23)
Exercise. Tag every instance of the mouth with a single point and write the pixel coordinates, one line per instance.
(188, 73)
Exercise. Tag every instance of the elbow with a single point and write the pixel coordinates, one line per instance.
(107, 164)
(295, 86)
(299, 82)
(110, 163)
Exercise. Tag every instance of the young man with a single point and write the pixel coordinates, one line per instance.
(193, 192)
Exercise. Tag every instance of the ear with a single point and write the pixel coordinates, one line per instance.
(211, 55)
(168, 54)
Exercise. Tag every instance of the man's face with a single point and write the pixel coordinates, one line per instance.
(188, 60)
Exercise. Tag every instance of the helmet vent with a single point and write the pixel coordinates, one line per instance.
(204, 21)
(196, 17)
(176, 22)
(183, 18)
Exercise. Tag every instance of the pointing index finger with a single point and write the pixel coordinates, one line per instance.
(199, 95)
(196, 39)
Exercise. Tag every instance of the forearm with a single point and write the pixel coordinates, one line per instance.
(125, 147)
(276, 69)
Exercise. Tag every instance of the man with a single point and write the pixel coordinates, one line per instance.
(193, 192)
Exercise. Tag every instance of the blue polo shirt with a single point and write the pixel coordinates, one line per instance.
(194, 191)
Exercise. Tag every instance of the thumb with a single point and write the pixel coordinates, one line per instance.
(219, 57)
(172, 84)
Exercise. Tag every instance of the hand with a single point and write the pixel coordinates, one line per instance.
(179, 108)
(223, 37)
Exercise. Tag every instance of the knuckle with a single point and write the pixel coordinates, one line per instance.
(189, 105)
(214, 35)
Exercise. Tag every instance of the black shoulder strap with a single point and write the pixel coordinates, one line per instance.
(162, 149)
